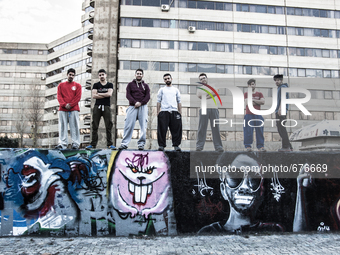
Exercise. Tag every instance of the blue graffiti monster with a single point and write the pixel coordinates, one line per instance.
(48, 190)
(35, 186)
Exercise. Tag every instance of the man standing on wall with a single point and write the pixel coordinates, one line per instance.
(68, 95)
(138, 94)
(286, 146)
(212, 113)
(102, 92)
(252, 121)
(169, 111)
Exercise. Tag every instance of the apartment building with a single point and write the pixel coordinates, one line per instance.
(233, 41)
(22, 72)
(29, 71)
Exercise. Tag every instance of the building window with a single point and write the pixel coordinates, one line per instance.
(328, 95)
(135, 43)
(247, 70)
(164, 44)
(165, 23)
(325, 54)
(246, 49)
(220, 47)
(293, 72)
(209, 68)
(273, 50)
(192, 45)
(192, 67)
(326, 74)
(164, 67)
(202, 46)
(301, 73)
(263, 50)
(300, 51)
(220, 68)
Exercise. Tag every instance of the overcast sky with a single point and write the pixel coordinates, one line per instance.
(38, 21)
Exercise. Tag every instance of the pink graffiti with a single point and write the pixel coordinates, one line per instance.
(140, 183)
(140, 159)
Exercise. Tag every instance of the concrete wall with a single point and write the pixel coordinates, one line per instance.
(104, 192)
(105, 53)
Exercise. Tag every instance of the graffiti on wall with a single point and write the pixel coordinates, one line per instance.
(139, 192)
(104, 192)
(51, 190)
(244, 192)
(306, 199)
(67, 192)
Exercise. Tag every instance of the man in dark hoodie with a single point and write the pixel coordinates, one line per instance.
(138, 94)
(286, 146)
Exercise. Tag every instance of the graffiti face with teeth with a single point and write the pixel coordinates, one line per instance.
(243, 189)
(37, 179)
(31, 182)
(140, 183)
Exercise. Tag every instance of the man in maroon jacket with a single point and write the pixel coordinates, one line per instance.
(138, 94)
(68, 95)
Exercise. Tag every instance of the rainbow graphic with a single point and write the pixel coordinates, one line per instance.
(213, 90)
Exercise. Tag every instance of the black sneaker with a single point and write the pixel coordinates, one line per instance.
(160, 148)
(220, 150)
(176, 148)
(285, 150)
(199, 149)
(140, 148)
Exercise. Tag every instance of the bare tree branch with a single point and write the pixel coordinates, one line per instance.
(21, 123)
(35, 111)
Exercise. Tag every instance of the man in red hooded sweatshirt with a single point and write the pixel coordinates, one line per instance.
(68, 95)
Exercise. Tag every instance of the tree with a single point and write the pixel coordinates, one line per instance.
(35, 111)
(21, 123)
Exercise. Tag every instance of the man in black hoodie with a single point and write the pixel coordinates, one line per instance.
(138, 94)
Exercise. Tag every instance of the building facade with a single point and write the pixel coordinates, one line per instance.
(228, 40)
(233, 41)
(28, 70)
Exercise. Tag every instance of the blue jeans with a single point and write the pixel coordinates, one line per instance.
(248, 130)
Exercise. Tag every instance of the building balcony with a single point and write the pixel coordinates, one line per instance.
(89, 67)
(89, 51)
(87, 120)
(92, 3)
(88, 84)
(91, 16)
(90, 35)
(86, 138)
(88, 102)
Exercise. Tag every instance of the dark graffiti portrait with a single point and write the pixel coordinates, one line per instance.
(244, 192)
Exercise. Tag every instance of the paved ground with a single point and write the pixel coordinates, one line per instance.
(320, 243)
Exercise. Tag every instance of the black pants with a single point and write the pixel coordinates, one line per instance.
(173, 120)
(282, 131)
(96, 115)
